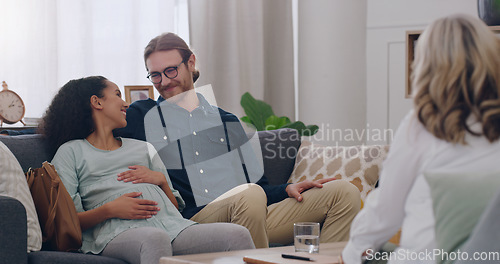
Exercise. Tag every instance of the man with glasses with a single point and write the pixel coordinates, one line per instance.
(205, 150)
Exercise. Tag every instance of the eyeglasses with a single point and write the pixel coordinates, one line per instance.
(169, 72)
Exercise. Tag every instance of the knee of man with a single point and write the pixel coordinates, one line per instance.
(345, 192)
(252, 202)
(254, 195)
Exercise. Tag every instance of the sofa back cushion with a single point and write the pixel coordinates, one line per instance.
(29, 150)
(279, 149)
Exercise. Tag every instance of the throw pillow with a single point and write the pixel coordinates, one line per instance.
(357, 164)
(13, 184)
(458, 201)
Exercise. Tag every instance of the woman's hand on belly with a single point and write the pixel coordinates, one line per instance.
(128, 206)
(141, 174)
(123, 207)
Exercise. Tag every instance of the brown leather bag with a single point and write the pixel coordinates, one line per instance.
(56, 211)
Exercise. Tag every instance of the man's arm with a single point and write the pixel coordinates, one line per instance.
(274, 193)
(277, 193)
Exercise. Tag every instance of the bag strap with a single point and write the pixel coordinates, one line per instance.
(30, 177)
(55, 181)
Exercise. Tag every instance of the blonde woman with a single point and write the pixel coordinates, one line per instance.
(454, 128)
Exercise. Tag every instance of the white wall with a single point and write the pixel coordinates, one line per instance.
(352, 62)
(45, 43)
(331, 59)
(387, 23)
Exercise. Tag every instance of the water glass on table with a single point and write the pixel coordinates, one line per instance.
(306, 236)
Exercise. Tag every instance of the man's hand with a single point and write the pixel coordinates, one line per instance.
(129, 207)
(294, 190)
(141, 174)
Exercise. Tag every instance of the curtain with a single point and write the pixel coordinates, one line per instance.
(245, 46)
(45, 43)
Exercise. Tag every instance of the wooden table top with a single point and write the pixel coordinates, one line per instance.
(236, 257)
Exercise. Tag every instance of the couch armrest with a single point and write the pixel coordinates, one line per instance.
(13, 231)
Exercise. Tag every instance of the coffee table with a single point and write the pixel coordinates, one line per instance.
(236, 257)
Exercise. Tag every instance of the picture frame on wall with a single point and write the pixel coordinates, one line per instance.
(138, 92)
(411, 43)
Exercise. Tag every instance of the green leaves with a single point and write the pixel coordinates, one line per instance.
(274, 122)
(257, 111)
(260, 115)
(303, 129)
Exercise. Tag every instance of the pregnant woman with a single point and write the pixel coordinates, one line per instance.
(124, 198)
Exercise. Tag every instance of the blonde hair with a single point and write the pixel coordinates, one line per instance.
(456, 75)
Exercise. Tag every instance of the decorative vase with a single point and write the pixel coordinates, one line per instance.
(489, 11)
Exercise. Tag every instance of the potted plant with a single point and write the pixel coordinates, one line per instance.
(260, 115)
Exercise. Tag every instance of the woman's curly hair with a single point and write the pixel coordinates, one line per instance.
(69, 115)
(456, 76)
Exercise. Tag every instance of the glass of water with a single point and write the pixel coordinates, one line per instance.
(306, 237)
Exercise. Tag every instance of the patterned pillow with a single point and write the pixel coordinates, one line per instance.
(13, 184)
(357, 164)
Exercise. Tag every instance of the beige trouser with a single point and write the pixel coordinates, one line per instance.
(335, 206)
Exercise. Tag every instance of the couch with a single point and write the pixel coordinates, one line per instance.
(279, 148)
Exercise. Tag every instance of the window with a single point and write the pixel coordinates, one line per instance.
(47, 43)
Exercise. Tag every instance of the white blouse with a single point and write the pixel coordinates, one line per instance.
(403, 198)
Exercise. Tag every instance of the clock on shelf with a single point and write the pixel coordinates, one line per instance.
(11, 106)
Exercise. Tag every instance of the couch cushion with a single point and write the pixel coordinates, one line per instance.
(357, 164)
(279, 149)
(13, 184)
(458, 200)
(56, 257)
(29, 150)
